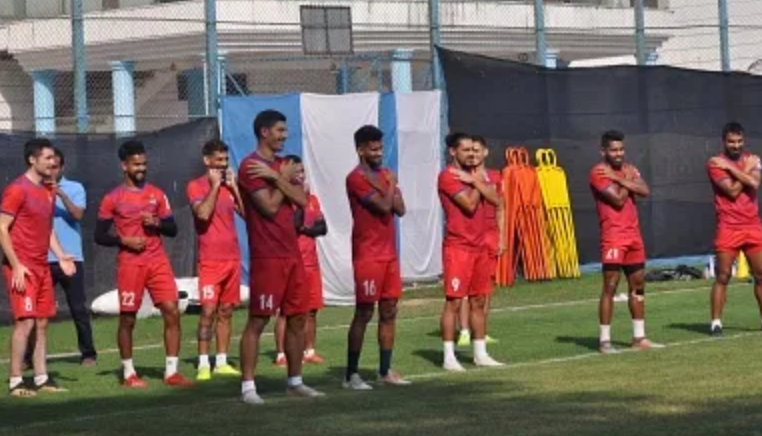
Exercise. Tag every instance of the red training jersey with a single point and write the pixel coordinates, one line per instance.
(741, 212)
(32, 207)
(494, 178)
(373, 233)
(615, 224)
(461, 230)
(217, 237)
(126, 207)
(308, 245)
(269, 238)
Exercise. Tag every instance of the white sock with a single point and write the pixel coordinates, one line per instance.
(716, 323)
(310, 352)
(15, 381)
(40, 379)
(638, 328)
(129, 368)
(449, 351)
(171, 367)
(294, 381)
(605, 334)
(247, 386)
(221, 360)
(480, 349)
(280, 356)
(464, 332)
(203, 361)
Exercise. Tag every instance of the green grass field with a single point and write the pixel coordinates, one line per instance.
(555, 383)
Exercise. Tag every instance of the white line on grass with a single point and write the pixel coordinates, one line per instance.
(508, 309)
(432, 375)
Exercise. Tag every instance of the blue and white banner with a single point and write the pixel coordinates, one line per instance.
(321, 131)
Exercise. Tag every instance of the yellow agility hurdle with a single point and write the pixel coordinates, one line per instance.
(555, 195)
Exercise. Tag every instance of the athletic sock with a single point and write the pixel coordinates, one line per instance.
(171, 367)
(15, 381)
(464, 332)
(220, 360)
(385, 362)
(128, 368)
(353, 363)
(449, 351)
(293, 382)
(605, 333)
(716, 323)
(309, 352)
(638, 328)
(480, 349)
(39, 380)
(247, 386)
(203, 361)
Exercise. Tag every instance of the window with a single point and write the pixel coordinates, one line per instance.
(326, 30)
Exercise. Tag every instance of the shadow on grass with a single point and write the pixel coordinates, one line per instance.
(703, 328)
(452, 406)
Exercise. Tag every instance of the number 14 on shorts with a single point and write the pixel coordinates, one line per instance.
(265, 302)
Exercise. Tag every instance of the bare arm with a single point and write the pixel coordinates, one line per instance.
(467, 200)
(5, 240)
(636, 186)
(238, 199)
(294, 193)
(398, 204)
(203, 209)
(75, 211)
(731, 188)
(615, 196)
(748, 179)
(501, 225)
(267, 202)
(55, 246)
(383, 203)
(489, 193)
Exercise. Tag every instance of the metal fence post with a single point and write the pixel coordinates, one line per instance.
(541, 45)
(79, 65)
(724, 44)
(212, 59)
(434, 41)
(640, 33)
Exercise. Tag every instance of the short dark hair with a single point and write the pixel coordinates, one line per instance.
(293, 158)
(611, 136)
(453, 139)
(214, 146)
(59, 155)
(34, 147)
(267, 119)
(479, 139)
(732, 127)
(366, 134)
(131, 148)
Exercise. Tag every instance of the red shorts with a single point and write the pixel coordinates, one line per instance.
(219, 282)
(466, 273)
(278, 284)
(133, 280)
(624, 252)
(38, 299)
(733, 240)
(315, 284)
(377, 280)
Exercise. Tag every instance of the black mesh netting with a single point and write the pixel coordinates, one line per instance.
(174, 158)
(672, 119)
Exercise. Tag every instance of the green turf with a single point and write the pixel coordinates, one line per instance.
(556, 383)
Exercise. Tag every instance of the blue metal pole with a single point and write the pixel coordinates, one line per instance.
(402, 71)
(435, 37)
(79, 65)
(124, 97)
(640, 32)
(344, 77)
(212, 60)
(541, 45)
(724, 43)
(44, 102)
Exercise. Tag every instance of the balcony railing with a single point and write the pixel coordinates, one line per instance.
(26, 9)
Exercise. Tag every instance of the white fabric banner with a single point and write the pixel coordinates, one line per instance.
(328, 126)
(419, 151)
